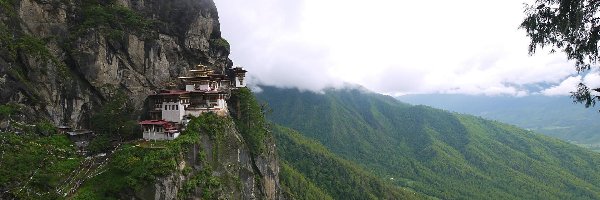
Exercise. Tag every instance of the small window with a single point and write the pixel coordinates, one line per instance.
(166, 108)
(176, 107)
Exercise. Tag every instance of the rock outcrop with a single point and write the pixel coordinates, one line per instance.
(239, 174)
(88, 49)
(61, 60)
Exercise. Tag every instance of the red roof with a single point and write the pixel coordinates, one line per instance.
(208, 92)
(165, 124)
(153, 122)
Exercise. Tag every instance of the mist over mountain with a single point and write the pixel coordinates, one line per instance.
(434, 152)
(555, 116)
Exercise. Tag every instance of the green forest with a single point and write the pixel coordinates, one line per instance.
(434, 152)
(552, 116)
(334, 176)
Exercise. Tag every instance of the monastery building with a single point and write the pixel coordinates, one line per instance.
(204, 91)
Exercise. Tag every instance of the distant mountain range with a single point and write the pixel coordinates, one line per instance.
(361, 145)
(555, 116)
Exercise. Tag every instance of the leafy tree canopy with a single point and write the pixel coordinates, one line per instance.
(570, 26)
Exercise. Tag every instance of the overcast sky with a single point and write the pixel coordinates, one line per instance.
(393, 47)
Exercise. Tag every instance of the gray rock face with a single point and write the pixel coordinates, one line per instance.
(241, 176)
(89, 61)
(268, 166)
(167, 187)
(84, 66)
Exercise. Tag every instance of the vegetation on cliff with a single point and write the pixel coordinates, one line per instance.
(7, 109)
(34, 166)
(38, 163)
(249, 117)
(214, 126)
(111, 19)
(220, 43)
(115, 121)
(23, 43)
(135, 166)
(16, 44)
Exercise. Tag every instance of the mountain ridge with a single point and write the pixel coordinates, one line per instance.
(555, 116)
(437, 153)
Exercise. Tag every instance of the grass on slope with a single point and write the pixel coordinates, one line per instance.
(34, 166)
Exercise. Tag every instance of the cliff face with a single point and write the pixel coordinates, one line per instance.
(66, 57)
(61, 60)
(227, 160)
(243, 176)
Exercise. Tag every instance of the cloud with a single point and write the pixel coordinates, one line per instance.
(388, 46)
(592, 80)
(265, 39)
(564, 88)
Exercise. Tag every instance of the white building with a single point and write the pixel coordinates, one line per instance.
(159, 130)
(204, 91)
(239, 74)
(172, 104)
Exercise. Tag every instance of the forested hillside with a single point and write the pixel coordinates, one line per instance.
(440, 154)
(555, 116)
(326, 175)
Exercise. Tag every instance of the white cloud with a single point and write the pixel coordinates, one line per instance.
(564, 88)
(592, 80)
(388, 46)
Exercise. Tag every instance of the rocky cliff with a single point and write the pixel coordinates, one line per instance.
(245, 176)
(64, 58)
(220, 166)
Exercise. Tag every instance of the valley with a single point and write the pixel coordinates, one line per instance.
(434, 152)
